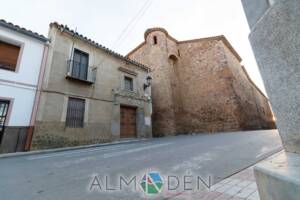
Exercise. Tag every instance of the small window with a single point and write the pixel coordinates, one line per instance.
(128, 83)
(75, 113)
(154, 40)
(9, 55)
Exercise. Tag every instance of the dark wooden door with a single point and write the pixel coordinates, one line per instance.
(128, 122)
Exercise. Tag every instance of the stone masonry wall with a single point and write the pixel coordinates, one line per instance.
(162, 94)
(51, 131)
(254, 110)
(200, 86)
(208, 102)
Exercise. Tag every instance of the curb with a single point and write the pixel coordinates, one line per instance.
(19, 154)
(268, 155)
(260, 159)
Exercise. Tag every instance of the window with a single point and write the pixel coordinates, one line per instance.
(128, 83)
(75, 113)
(154, 40)
(8, 56)
(3, 115)
(80, 64)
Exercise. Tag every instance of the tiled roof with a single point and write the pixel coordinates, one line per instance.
(22, 30)
(97, 45)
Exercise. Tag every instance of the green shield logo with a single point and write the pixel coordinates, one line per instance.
(152, 183)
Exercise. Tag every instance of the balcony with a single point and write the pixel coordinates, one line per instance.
(81, 72)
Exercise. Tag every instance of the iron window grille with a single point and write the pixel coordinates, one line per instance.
(75, 113)
(4, 104)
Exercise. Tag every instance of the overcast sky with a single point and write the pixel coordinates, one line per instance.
(105, 20)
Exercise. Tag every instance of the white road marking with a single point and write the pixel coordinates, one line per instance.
(120, 153)
(71, 152)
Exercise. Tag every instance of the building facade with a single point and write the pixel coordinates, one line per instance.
(90, 94)
(22, 54)
(200, 86)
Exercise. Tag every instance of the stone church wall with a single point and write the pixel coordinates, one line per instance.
(200, 86)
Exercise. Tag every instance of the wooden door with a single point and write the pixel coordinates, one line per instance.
(128, 122)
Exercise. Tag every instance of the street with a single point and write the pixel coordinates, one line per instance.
(68, 174)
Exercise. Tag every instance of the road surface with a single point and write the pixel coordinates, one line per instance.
(94, 173)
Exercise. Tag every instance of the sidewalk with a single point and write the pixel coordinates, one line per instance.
(45, 151)
(241, 186)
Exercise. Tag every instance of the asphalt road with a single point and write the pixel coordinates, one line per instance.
(71, 174)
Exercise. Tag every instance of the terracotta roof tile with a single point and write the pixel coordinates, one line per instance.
(22, 30)
(97, 45)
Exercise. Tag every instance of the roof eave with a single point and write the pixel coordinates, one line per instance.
(107, 50)
(23, 31)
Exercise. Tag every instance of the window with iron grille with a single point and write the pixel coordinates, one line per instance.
(9, 55)
(128, 83)
(4, 104)
(75, 113)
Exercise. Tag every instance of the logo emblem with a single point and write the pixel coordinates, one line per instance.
(152, 183)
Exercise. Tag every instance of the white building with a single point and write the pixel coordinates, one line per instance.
(22, 57)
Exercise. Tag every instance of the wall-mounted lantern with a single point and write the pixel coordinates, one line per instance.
(148, 83)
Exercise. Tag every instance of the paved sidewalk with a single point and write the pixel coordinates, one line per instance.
(241, 186)
(46, 151)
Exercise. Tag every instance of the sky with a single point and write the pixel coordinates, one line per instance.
(120, 24)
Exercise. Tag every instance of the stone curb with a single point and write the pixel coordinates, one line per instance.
(260, 159)
(268, 155)
(18, 154)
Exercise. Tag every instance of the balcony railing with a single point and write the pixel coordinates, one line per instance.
(82, 72)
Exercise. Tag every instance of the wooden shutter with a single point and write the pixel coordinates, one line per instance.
(8, 56)
(75, 113)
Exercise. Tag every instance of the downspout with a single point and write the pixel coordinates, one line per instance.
(37, 99)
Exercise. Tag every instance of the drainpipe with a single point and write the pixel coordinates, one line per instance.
(37, 99)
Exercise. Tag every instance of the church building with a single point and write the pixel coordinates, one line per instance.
(200, 85)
